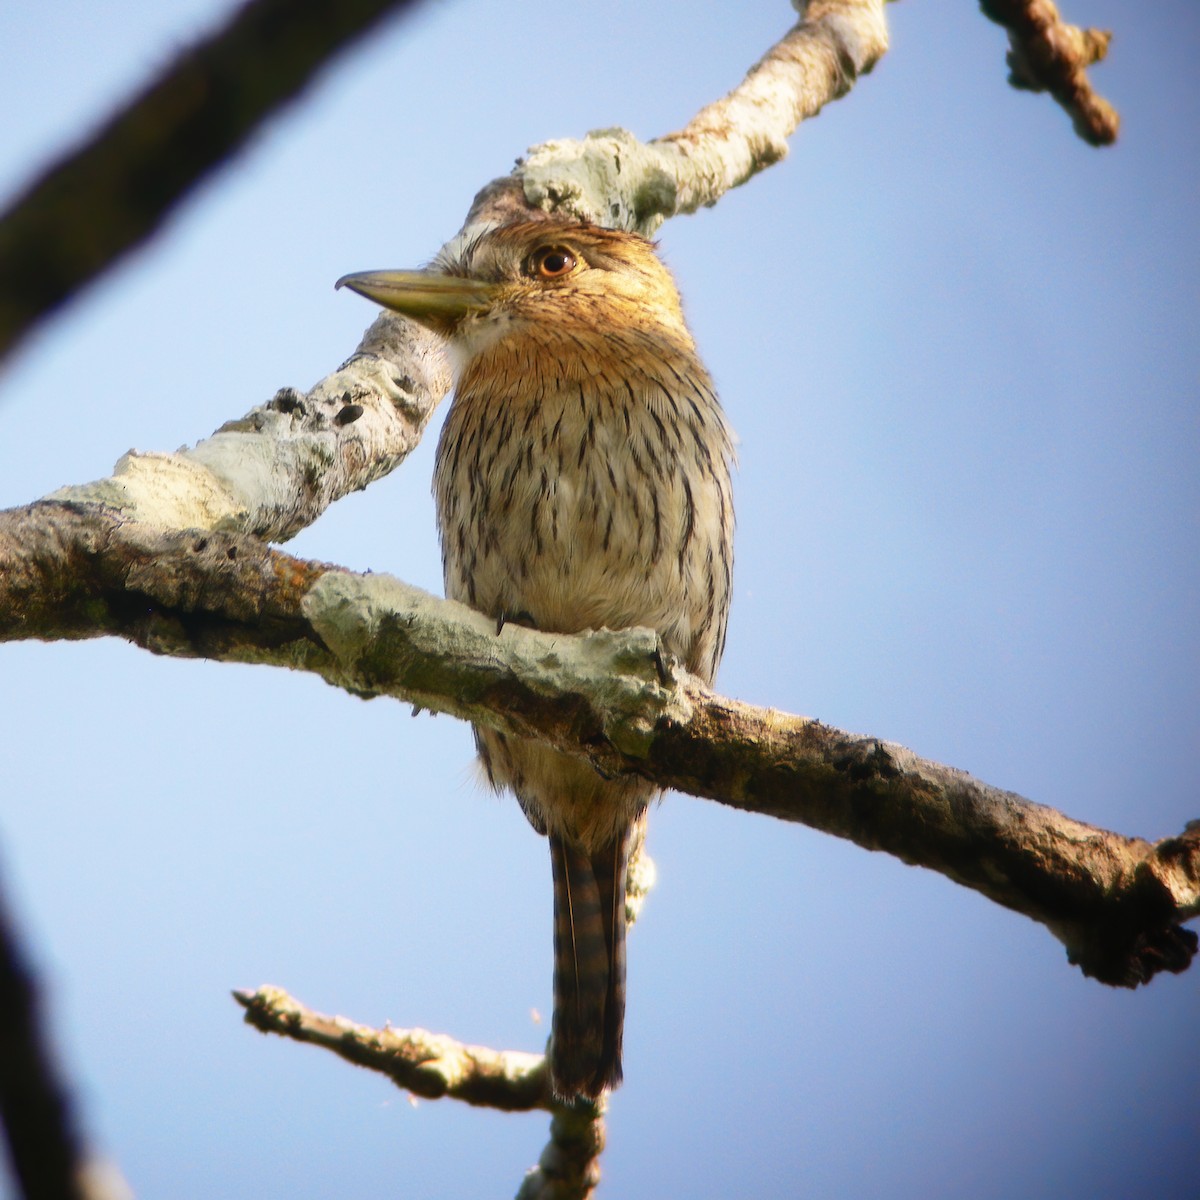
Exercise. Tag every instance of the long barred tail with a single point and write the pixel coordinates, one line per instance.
(589, 966)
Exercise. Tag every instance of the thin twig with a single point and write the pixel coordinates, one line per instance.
(430, 1065)
(436, 1067)
(1048, 55)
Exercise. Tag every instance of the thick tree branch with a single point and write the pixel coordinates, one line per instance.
(1116, 902)
(97, 203)
(1048, 55)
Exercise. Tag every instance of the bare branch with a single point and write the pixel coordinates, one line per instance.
(569, 1168)
(427, 1064)
(1116, 902)
(113, 192)
(1048, 55)
(43, 1146)
(436, 1067)
(45, 1149)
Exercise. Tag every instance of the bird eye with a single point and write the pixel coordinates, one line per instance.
(551, 262)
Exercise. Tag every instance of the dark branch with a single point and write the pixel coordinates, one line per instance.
(114, 191)
(43, 1147)
(1048, 55)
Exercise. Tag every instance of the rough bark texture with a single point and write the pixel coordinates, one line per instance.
(275, 470)
(613, 179)
(1116, 902)
(161, 553)
(1048, 55)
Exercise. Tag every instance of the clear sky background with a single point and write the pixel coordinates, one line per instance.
(961, 350)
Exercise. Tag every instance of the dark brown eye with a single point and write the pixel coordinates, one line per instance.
(551, 262)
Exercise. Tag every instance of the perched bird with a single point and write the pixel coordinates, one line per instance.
(582, 482)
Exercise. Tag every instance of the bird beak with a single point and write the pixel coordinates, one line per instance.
(429, 297)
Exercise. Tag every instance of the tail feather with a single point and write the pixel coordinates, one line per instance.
(612, 869)
(589, 966)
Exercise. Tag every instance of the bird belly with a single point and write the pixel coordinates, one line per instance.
(569, 516)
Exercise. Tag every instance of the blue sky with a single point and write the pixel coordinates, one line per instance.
(961, 350)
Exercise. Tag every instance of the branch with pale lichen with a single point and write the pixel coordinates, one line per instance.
(612, 178)
(1048, 55)
(78, 570)
(275, 470)
(1116, 902)
(429, 1065)
(436, 1067)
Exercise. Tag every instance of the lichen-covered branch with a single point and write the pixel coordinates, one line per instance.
(1048, 55)
(613, 179)
(430, 1065)
(1117, 902)
(569, 1166)
(275, 470)
(435, 1067)
(103, 198)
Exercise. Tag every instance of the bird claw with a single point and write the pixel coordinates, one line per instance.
(660, 665)
(522, 618)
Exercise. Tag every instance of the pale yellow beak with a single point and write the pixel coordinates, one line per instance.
(430, 297)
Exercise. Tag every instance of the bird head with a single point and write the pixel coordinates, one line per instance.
(543, 275)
